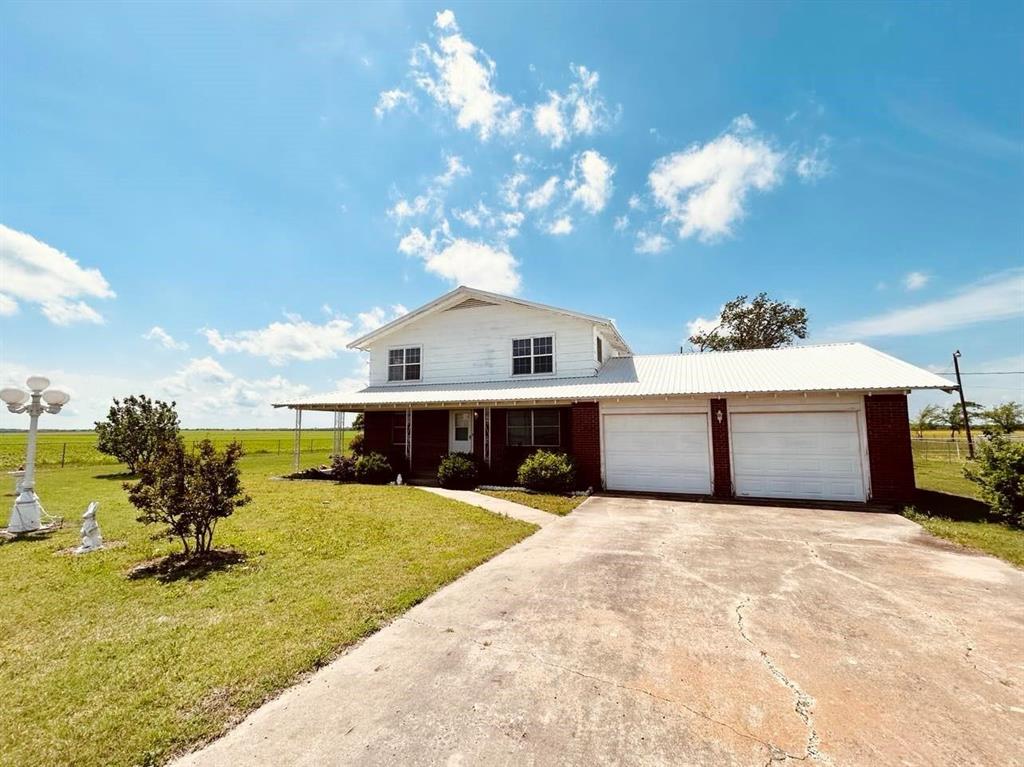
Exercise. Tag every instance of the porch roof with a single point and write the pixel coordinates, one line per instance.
(849, 367)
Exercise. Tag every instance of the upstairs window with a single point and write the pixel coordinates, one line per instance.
(600, 351)
(404, 364)
(531, 356)
(533, 428)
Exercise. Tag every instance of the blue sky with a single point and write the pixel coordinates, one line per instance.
(205, 202)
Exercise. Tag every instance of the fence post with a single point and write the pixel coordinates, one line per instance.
(63, 454)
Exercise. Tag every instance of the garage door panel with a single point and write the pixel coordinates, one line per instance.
(665, 452)
(815, 456)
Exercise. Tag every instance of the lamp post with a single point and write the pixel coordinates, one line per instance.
(26, 514)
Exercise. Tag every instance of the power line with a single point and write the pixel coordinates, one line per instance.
(982, 373)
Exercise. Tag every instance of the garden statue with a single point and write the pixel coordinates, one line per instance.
(92, 540)
(399, 480)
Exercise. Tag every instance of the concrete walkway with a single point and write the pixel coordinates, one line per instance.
(648, 632)
(497, 505)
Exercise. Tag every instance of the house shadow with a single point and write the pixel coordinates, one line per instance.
(956, 507)
(190, 567)
(121, 476)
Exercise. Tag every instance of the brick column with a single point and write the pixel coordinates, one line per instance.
(720, 449)
(890, 455)
(586, 443)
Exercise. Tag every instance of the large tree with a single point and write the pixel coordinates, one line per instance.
(135, 429)
(1005, 418)
(953, 416)
(759, 324)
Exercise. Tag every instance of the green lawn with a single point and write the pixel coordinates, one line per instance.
(97, 669)
(553, 504)
(950, 508)
(78, 448)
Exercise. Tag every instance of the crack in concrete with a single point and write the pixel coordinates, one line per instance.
(804, 705)
(775, 754)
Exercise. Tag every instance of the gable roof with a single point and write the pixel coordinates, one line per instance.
(847, 367)
(464, 297)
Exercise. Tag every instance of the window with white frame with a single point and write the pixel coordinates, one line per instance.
(398, 428)
(404, 364)
(531, 356)
(533, 428)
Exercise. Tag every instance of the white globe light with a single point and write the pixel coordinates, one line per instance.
(37, 383)
(14, 396)
(56, 397)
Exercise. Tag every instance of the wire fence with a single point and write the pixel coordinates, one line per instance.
(76, 451)
(949, 449)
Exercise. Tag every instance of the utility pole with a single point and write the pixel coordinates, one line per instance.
(963, 404)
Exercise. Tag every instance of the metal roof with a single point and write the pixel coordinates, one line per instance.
(828, 367)
(462, 293)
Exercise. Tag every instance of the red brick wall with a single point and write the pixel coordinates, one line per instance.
(586, 443)
(505, 459)
(721, 469)
(377, 437)
(889, 451)
(429, 441)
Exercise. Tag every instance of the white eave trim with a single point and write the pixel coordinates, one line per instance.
(460, 294)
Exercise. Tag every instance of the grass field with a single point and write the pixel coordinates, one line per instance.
(78, 448)
(952, 510)
(97, 669)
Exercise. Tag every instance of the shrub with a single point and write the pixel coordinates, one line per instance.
(357, 444)
(189, 492)
(135, 430)
(343, 468)
(373, 469)
(458, 470)
(999, 470)
(547, 472)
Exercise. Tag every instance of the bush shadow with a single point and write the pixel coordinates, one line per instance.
(192, 567)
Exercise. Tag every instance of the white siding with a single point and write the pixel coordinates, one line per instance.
(475, 344)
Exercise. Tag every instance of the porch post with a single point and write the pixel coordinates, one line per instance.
(487, 436)
(298, 439)
(408, 437)
(339, 432)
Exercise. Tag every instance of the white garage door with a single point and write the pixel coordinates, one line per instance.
(664, 453)
(797, 455)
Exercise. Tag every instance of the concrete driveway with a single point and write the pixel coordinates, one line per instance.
(654, 632)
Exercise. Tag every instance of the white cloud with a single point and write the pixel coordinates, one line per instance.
(464, 262)
(743, 124)
(702, 325)
(454, 169)
(915, 280)
(579, 112)
(704, 189)
(997, 297)
(647, 242)
(407, 209)
(621, 223)
(299, 339)
(459, 77)
(389, 100)
(813, 164)
(542, 196)
(509, 190)
(561, 225)
(635, 203)
(37, 273)
(591, 181)
(165, 339)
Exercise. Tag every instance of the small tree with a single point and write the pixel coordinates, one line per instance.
(357, 424)
(953, 417)
(928, 418)
(135, 430)
(999, 470)
(189, 492)
(759, 324)
(1005, 418)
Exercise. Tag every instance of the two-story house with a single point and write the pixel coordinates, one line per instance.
(500, 377)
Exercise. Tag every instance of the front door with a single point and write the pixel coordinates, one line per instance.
(461, 440)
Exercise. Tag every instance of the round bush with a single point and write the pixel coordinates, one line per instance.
(343, 468)
(373, 469)
(547, 472)
(458, 470)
